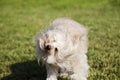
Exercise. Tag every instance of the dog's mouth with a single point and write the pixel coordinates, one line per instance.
(50, 59)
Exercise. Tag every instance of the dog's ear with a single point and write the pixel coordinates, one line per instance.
(80, 35)
(40, 43)
(80, 38)
(75, 39)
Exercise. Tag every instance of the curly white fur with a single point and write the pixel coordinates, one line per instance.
(66, 56)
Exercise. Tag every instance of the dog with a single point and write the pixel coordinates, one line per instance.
(62, 49)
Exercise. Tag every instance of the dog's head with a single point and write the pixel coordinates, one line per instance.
(50, 46)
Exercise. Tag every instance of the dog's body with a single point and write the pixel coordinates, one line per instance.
(62, 48)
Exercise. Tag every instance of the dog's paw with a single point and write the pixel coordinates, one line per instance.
(51, 78)
(77, 77)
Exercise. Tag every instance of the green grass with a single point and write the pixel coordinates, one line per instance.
(22, 20)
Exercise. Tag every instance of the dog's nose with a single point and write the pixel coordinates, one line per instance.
(47, 47)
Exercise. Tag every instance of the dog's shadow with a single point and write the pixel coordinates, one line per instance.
(29, 70)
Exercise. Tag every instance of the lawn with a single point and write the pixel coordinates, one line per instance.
(22, 20)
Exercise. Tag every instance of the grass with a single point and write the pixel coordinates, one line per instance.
(22, 20)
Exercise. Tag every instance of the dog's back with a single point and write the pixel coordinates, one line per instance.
(70, 26)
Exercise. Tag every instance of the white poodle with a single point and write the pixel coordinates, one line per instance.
(62, 48)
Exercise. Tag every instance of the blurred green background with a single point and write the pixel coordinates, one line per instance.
(22, 20)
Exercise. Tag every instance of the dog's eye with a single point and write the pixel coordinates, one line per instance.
(56, 49)
(48, 47)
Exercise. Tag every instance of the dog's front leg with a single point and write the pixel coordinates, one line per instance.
(51, 72)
